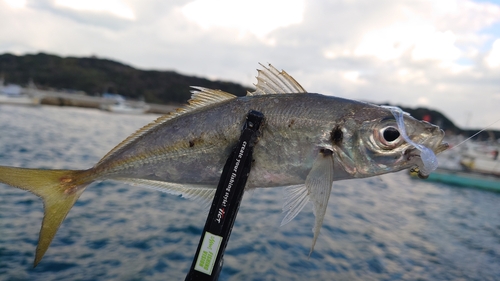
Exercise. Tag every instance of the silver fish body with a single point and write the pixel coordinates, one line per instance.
(308, 141)
(193, 148)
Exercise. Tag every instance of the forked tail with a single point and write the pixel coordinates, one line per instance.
(59, 190)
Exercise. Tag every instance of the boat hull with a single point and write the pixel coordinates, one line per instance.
(466, 179)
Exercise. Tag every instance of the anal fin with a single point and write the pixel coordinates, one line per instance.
(202, 194)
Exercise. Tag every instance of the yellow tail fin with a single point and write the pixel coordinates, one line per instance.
(59, 190)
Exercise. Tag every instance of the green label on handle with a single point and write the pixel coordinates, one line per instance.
(208, 253)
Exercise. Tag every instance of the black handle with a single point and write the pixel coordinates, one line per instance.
(207, 261)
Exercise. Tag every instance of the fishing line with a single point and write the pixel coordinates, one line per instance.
(475, 134)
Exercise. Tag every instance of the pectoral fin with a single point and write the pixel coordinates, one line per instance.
(316, 189)
(296, 198)
(319, 183)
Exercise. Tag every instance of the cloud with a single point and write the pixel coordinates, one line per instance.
(113, 7)
(421, 40)
(258, 17)
(493, 59)
(441, 53)
(16, 4)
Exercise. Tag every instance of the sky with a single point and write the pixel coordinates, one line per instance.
(444, 55)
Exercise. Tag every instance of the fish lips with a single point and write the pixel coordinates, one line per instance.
(442, 146)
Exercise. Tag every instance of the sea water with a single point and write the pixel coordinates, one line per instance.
(382, 228)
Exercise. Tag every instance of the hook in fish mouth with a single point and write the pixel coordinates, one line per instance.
(416, 169)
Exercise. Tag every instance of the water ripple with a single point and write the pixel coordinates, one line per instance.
(382, 228)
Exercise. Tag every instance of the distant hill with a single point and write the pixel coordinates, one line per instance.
(447, 125)
(96, 76)
(432, 116)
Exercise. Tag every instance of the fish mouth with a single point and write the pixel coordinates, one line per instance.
(442, 146)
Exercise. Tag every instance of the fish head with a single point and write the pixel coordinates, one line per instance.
(380, 146)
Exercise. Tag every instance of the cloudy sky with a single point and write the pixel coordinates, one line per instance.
(443, 54)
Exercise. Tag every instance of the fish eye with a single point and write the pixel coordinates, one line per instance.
(388, 137)
(390, 134)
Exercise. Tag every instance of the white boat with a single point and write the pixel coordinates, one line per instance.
(121, 105)
(472, 164)
(16, 95)
(488, 164)
(19, 100)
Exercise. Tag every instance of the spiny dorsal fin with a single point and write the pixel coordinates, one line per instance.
(272, 81)
(200, 97)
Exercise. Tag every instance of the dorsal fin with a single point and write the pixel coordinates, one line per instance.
(200, 97)
(272, 81)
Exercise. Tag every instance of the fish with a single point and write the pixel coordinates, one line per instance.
(307, 142)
